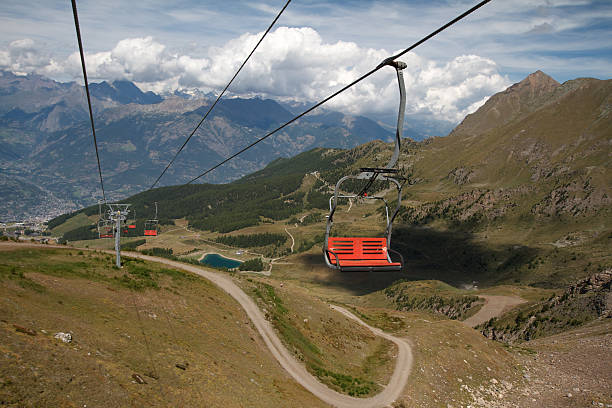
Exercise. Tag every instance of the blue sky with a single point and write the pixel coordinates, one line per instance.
(317, 46)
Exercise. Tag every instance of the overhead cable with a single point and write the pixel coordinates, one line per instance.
(387, 61)
(220, 95)
(93, 128)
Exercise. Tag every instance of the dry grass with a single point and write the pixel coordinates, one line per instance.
(118, 332)
(324, 340)
(448, 357)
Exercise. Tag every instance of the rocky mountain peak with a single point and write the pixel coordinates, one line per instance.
(520, 98)
(124, 92)
(535, 85)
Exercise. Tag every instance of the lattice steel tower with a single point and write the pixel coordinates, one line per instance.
(118, 214)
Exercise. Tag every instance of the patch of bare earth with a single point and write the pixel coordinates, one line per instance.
(570, 369)
(494, 306)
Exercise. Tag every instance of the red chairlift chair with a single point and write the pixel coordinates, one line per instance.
(353, 254)
(105, 229)
(151, 227)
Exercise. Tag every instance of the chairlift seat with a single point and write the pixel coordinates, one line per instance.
(360, 254)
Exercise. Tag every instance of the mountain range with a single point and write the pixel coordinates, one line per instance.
(47, 158)
(543, 144)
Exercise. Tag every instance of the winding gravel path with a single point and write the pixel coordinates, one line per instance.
(493, 307)
(292, 240)
(385, 398)
(390, 393)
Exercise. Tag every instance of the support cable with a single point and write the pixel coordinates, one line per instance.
(220, 95)
(387, 61)
(93, 128)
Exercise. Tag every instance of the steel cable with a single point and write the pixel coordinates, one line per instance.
(93, 128)
(220, 95)
(361, 78)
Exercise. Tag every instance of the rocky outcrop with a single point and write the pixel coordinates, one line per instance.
(461, 175)
(454, 307)
(576, 197)
(473, 205)
(594, 283)
(586, 300)
(597, 283)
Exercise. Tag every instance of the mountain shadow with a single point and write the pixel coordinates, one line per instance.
(453, 257)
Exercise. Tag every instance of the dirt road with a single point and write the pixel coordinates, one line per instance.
(385, 398)
(493, 307)
(390, 393)
(292, 240)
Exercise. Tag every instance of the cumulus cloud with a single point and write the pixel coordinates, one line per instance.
(291, 64)
(23, 56)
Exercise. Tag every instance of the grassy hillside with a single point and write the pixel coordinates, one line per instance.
(143, 320)
(179, 333)
(346, 357)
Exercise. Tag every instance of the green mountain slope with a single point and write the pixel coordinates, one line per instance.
(520, 192)
(539, 182)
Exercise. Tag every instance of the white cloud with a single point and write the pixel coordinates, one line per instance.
(521, 36)
(291, 63)
(135, 59)
(23, 56)
(460, 86)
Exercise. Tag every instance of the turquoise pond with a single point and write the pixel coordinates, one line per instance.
(218, 261)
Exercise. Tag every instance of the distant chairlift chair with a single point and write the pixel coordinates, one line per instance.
(151, 226)
(131, 226)
(354, 254)
(105, 229)
(105, 225)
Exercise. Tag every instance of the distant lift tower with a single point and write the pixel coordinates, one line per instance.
(118, 214)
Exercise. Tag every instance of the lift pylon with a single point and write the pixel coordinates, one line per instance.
(118, 214)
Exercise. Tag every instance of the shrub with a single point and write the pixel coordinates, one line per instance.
(162, 252)
(134, 244)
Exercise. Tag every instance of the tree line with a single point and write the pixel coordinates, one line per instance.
(252, 240)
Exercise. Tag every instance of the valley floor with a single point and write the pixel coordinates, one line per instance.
(494, 306)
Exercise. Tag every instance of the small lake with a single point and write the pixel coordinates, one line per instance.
(218, 261)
